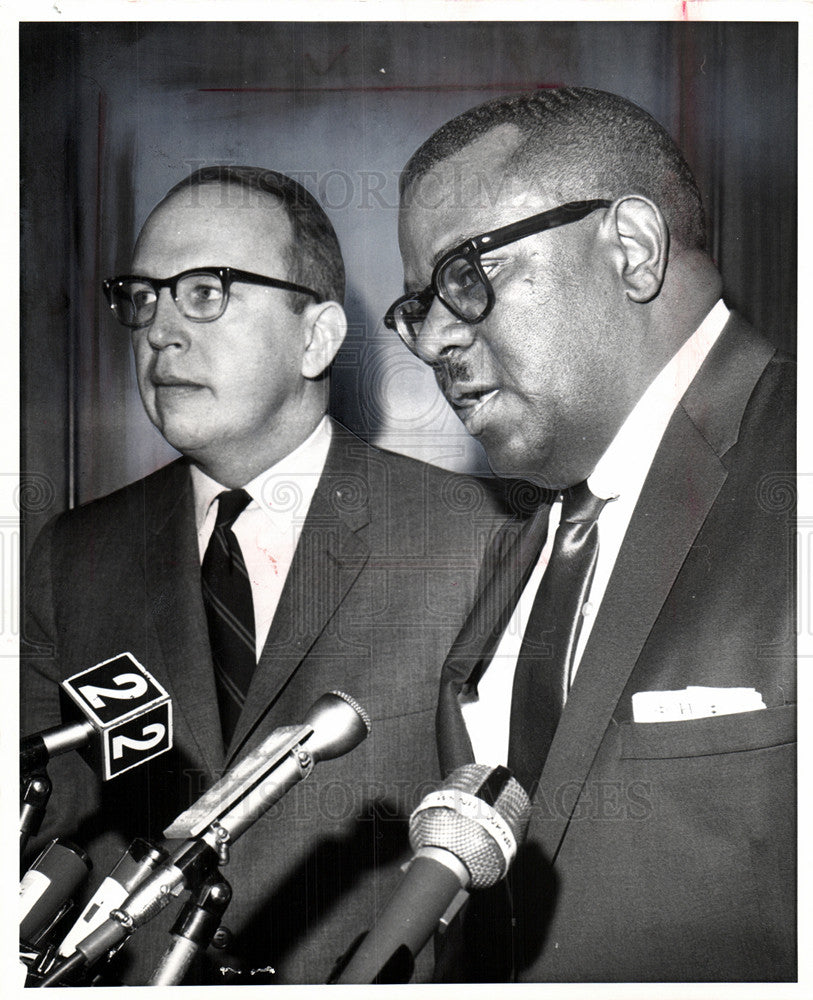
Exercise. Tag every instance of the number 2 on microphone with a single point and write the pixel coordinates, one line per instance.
(153, 733)
(129, 686)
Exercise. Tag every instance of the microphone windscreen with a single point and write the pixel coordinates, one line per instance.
(339, 724)
(480, 814)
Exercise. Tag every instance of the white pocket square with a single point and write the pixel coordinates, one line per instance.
(693, 703)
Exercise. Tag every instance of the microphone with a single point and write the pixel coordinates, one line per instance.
(465, 836)
(333, 726)
(47, 887)
(117, 715)
(138, 861)
(36, 792)
(193, 930)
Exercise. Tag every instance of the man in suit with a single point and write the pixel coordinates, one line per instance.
(631, 654)
(357, 568)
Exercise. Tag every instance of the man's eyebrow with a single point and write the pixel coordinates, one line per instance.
(453, 244)
(458, 241)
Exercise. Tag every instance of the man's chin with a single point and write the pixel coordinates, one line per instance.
(510, 462)
(186, 438)
(517, 463)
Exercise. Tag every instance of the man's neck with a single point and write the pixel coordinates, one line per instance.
(234, 466)
(627, 459)
(299, 470)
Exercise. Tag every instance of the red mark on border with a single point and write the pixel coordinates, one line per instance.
(435, 88)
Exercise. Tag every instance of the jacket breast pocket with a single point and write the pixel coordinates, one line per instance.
(720, 734)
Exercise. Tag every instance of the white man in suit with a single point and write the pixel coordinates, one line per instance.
(631, 656)
(357, 566)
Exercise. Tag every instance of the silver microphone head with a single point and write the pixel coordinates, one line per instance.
(339, 724)
(480, 814)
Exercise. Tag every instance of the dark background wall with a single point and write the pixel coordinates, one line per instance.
(113, 114)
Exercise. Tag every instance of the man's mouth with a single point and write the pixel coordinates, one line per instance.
(468, 402)
(172, 382)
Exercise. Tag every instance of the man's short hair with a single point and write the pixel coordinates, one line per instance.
(314, 257)
(580, 143)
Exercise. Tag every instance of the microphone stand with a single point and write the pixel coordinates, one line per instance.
(35, 798)
(190, 866)
(334, 725)
(192, 932)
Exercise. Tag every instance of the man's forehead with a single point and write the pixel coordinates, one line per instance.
(225, 194)
(477, 162)
(468, 193)
(209, 216)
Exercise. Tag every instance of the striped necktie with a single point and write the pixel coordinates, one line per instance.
(229, 611)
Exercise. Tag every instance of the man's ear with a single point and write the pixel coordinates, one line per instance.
(642, 239)
(325, 328)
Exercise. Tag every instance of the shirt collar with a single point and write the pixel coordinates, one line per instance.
(626, 461)
(299, 470)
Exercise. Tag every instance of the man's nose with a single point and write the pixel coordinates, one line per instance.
(442, 333)
(168, 327)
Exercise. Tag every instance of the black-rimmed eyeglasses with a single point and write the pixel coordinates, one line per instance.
(201, 294)
(458, 278)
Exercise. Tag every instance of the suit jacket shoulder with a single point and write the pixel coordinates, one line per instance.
(415, 495)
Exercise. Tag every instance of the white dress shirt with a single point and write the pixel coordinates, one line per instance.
(268, 529)
(620, 475)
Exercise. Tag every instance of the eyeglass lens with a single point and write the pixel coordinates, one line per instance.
(409, 317)
(199, 296)
(133, 302)
(460, 284)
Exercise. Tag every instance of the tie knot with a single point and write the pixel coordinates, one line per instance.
(580, 505)
(230, 505)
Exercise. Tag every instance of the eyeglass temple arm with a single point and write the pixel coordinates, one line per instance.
(261, 279)
(561, 216)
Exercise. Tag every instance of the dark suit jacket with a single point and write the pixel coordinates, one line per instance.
(383, 576)
(666, 851)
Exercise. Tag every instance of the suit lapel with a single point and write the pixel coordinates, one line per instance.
(683, 483)
(506, 566)
(172, 576)
(329, 557)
